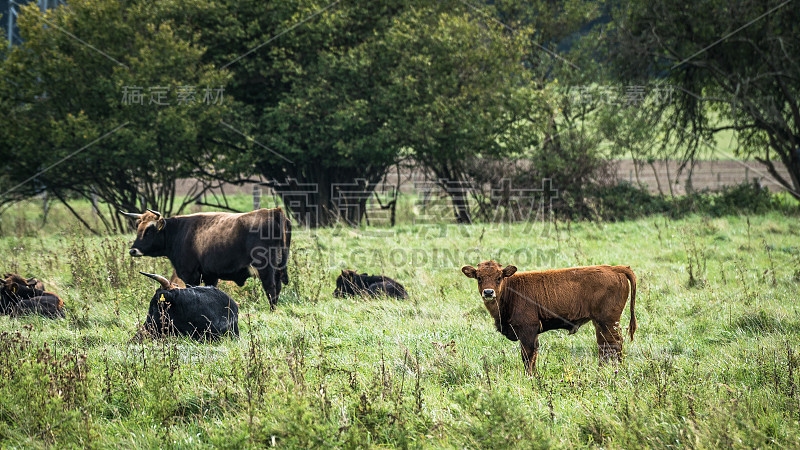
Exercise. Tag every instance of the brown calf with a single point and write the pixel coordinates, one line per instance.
(526, 304)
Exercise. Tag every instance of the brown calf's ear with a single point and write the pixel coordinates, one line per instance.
(469, 271)
(509, 270)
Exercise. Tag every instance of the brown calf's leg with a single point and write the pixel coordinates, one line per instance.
(529, 347)
(609, 341)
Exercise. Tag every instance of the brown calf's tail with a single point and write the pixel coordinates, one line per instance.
(626, 270)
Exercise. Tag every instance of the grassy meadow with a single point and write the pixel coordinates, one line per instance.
(715, 361)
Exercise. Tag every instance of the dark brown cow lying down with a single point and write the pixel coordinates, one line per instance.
(351, 283)
(20, 296)
(526, 304)
(32, 283)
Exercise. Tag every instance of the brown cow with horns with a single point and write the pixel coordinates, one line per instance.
(208, 247)
(526, 304)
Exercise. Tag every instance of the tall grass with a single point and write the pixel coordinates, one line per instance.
(714, 363)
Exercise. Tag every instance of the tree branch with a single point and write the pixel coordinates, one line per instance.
(74, 213)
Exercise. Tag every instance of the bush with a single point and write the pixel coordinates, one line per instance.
(749, 197)
(625, 201)
(573, 165)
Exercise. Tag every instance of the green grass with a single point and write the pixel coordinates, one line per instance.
(715, 362)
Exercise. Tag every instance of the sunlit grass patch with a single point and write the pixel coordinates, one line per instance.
(427, 371)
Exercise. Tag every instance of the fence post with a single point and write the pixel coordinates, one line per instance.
(719, 181)
(256, 197)
(45, 207)
(746, 174)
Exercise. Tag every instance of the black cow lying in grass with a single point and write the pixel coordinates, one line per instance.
(351, 283)
(20, 296)
(200, 312)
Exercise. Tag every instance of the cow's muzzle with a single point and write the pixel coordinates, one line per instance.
(136, 252)
(488, 294)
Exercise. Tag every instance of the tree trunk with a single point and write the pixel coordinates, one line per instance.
(460, 206)
(655, 174)
(324, 203)
(307, 203)
(669, 178)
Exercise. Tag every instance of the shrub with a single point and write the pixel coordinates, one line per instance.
(625, 201)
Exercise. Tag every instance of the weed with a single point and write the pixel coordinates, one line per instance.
(710, 367)
(46, 392)
(796, 265)
(771, 269)
(696, 260)
(760, 322)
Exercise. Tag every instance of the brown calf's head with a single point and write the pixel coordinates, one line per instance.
(150, 236)
(490, 276)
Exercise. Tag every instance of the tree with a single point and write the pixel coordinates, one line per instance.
(733, 66)
(565, 59)
(461, 92)
(97, 105)
(331, 124)
(629, 130)
(311, 114)
(357, 86)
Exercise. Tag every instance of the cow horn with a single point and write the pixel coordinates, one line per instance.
(131, 215)
(165, 284)
(154, 212)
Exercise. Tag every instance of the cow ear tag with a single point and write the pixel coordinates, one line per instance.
(162, 299)
(161, 225)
